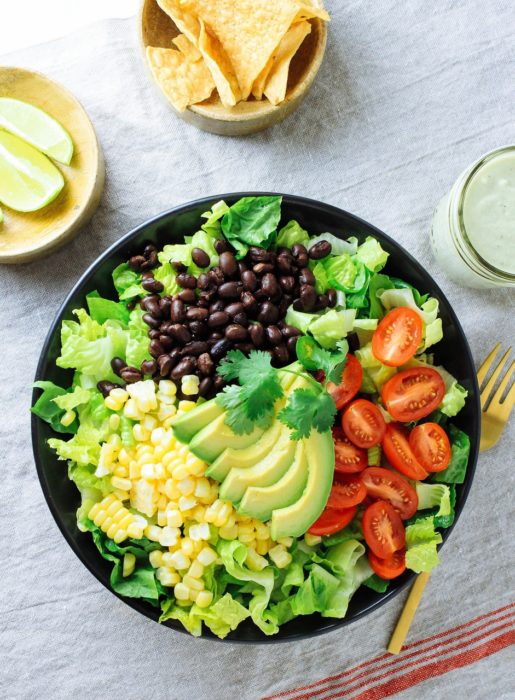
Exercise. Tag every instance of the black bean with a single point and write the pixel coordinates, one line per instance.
(185, 366)
(181, 333)
(298, 305)
(228, 264)
(165, 365)
(216, 276)
(151, 304)
(242, 267)
(282, 306)
(195, 313)
(257, 254)
(322, 302)
(269, 285)
(244, 347)
(320, 250)
(260, 295)
(195, 348)
(154, 333)
(131, 375)
(215, 306)
(136, 262)
(203, 281)
(165, 304)
(117, 364)
(147, 275)
(218, 383)
(353, 340)
(200, 257)
(214, 336)
(291, 344)
(152, 285)
(206, 298)
(198, 330)
(280, 354)
(302, 260)
(148, 367)
(221, 246)
(268, 313)
(298, 249)
(151, 321)
(220, 349)
(249, 302)
(273, 335)
(205, 364)
(166, 327)
(235, 332)
(205, 386)
(106, 387)
(306, 276)
(257, 334)
(234, 308)
(262, 268)
(217, 319)
(290, 331)
(187, 296)
(287, 283)
(242, 319)
(187, 281)
(177, 311)
(308, 297)
(166, 342)
(229, 290)
(332, 297)
(249, 280)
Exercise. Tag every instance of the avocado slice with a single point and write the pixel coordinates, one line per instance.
(185, 426)
(264, 473)
(259, 502)
(212, 440)
(294, 520)
(244, 458)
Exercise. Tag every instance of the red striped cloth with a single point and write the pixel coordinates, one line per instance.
(385, 675)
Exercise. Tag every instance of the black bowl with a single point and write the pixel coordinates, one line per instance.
(61, 494)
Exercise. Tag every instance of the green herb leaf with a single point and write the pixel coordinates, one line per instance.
(313, 357)
(307, 409)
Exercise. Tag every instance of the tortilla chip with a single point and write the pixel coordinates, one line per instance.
(277, 82)
(249, 31)
(310, 9)
(187, 48)
(212, 51)
(184, 81)
(260, 81)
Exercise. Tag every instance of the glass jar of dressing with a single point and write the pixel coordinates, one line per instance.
(473, 233)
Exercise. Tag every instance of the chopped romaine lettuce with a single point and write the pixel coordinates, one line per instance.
(377, 584)
(372, 255)
(252, 221)
(102, 310)
(73, 399)
(299, 319)
(364, 328)
(127, 282)
(376, 372)
(167, 276)
(221, 617)
(421, 542)
(137, 344)
(291, 234)
(338, 246)
(454, 399)
(46, 408)
(434, 496)
(340, 272)
(392, 298)
(332, 326)
(377, 285)
(321, 283)
(212, 224)
(457, 469)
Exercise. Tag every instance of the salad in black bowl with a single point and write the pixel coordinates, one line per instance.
(268, 414)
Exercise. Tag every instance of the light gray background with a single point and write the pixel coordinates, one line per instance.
(409, 95)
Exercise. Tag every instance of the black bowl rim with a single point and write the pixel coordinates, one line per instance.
(208, 202)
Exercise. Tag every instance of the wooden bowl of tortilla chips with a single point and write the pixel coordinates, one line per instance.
(234, 67)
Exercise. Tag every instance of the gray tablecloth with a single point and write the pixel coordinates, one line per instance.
(409, 94)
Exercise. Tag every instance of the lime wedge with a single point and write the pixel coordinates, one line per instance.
(37, 128)
(28, 179)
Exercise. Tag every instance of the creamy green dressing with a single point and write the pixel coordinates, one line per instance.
(489, 211)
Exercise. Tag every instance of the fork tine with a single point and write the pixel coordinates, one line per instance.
(483, 370)
(485, 393)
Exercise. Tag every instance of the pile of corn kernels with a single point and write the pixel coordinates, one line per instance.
(160, 492)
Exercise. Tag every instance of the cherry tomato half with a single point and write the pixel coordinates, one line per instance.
(390, 486)
(399, 454)
(349, 458)
(383, 529)
(388, 568)
(332, 521)
(413, 393)
(431, 446)
(347, 490)
(397, 336)
(363, 423)
(350, 384)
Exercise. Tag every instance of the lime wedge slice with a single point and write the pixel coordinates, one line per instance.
(37, 128)
(28, 179)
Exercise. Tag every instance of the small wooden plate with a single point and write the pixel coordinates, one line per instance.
(26, 236)
(157, 29)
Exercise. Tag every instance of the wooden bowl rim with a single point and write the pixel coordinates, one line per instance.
(263, 107)
(93, 190)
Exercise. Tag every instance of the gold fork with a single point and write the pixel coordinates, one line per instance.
(494, 417)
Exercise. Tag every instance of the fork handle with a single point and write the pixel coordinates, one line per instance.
(410, 608)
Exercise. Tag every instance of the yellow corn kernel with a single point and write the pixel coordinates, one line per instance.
(195, 467)
(153, 532)
(200, 531)
(142, 497)
(190, 384)
(286, 541)
(134, 470)
(312, 540)
(229, 533)
(280, 556)
(162, 502)
(112, 404)
(186, 406)
(114, 421)
(194, 595)
(196, 569)
(157, 435)
(180, 472)
(204, 599)
(123, 456)
(193, 583)
(246, 539)
(207, 556)
(167, 577)
(169, 536)
(121, 472)
(123, 484)
(165, 401)
(181, 592)
(254, 561)
(149, 423)
(261, 547)
(187, 503)
(132, 411)
(245, 529)
(121, 495)
(171, 490)
(119, 395)
(180, 561)
(186, 486)
(187, 546)
(174, 517)
(67, 418)
(202, 488)
(140, 433)
(135, 531)
(198, 513)
(156, 558)
(167, 387)
(129, 564)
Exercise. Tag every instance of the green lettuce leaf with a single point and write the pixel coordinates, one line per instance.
(213, 217)
(421, 542)
(299, 319)
(321, 282)
(138, 342)
(457, 469)
(167, 276)
(339, 246)
(402, 284)
(46, 408)
(436, 496)
(332, 326)
(69, 401)
(252, 221)
(221, 617)
(341, 272)
(454, 399)
(127, 282)
(102, 310)
(372, 255)
(291, 234)
(377, 285)
(377, 584)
